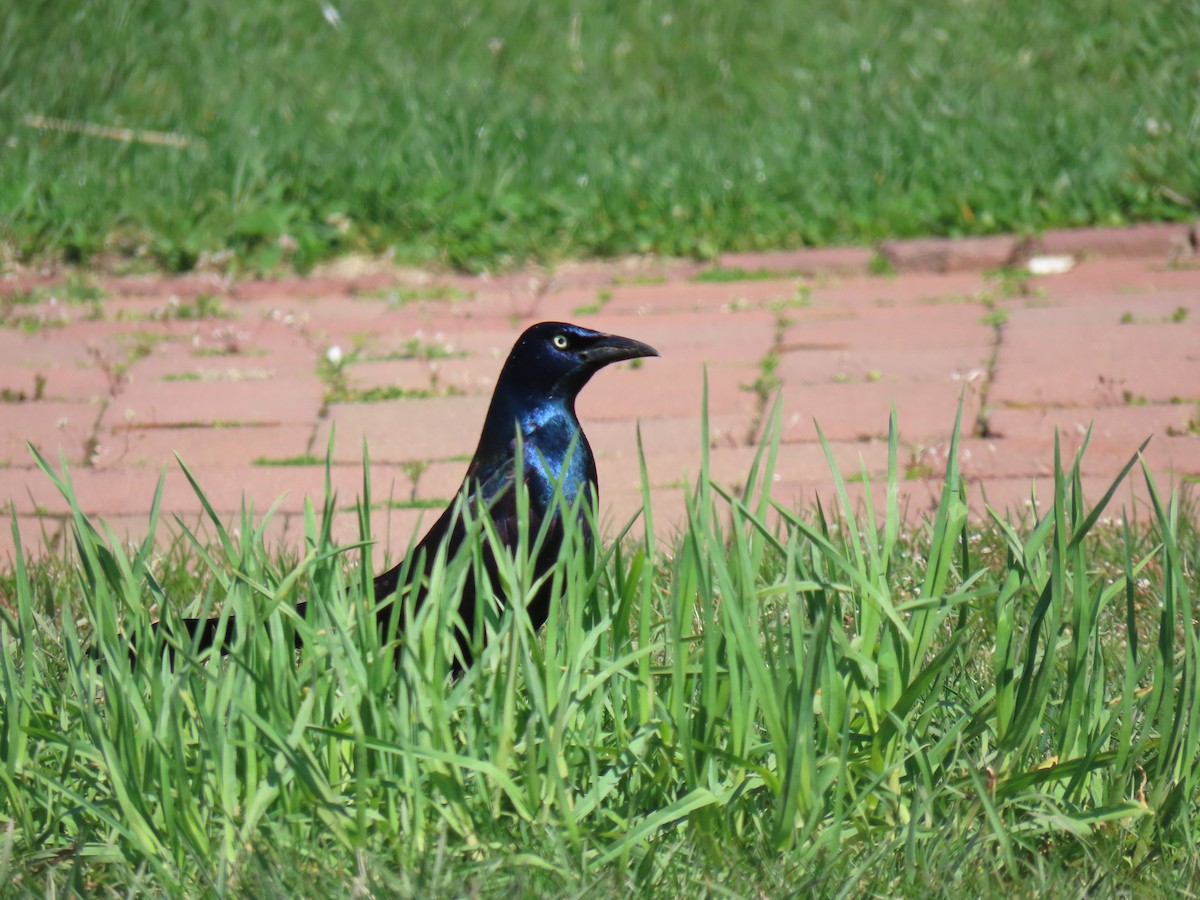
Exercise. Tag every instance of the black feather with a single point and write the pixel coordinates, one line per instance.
(535, 399)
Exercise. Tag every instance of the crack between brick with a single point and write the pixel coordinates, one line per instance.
(767, 383)
(982, 427)
(91, 444)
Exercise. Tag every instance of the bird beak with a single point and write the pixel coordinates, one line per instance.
(611, 348)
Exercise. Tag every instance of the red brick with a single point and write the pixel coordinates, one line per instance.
(406, 374)
(1146, 240)
(199, 446)
(394, 484)
(950, 254)
(392, 530)
(919, 328)
(50, 427)
(708, 336)
(848, 412)
(401, 430)
(1014, 497)
(1128, 426)
(703, 297)
(916, 289)
(730, 466)
(675, 434)
(277, 401)
(42, 350)
(157, 287)
(1078, 355)
(671, 386)
(599, 273)
(989, 459)
(129, 492)
(963, 365)
(806, 261)
(61, 383)
(919, 338)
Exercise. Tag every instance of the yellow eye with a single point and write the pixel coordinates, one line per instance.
(561, 342)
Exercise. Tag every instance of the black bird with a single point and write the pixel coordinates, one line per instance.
(535, 397)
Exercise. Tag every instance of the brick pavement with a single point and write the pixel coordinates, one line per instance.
(230, 375)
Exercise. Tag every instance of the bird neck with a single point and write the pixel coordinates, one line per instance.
(554, 448)
(544, 422)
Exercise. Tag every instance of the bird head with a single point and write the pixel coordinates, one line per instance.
(555, 360)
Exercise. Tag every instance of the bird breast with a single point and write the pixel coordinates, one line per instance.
(556, 452)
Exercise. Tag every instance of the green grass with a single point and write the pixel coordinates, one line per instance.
(16, 395)
(590, 309)
(722, 274)
(304, 459)
(414, 348)
(202, 308)
(483, 135)
(780, 703)
(402, 296)
(381, 394)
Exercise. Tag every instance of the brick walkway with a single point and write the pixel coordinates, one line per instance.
(230, 376)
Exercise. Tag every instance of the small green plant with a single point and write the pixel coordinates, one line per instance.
(1126, 318)
(721, 274)
(414, 469)
(1178, 315)
(304, 459)
(1009, 282)
(204, 307)
(383, 393)
(587, 309)
(414, 348)
(22, 297)
(1190, 428)
(646, 280)
(397, 297)
(81, 289)
(132, 347)
(768, 380)
(32, 322)
(918, 467)
(917, 471)
(11, 395)
(996, 317)
(800, 298)
(412, 503)
(881, 266)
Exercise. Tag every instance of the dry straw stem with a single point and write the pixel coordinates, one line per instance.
(128, 135)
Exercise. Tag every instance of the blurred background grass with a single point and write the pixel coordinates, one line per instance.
(479, 135)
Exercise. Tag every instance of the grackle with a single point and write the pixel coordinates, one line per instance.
(535, 397)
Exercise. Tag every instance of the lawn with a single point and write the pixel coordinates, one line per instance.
(776, 702)
(481, 135)
(771, 701)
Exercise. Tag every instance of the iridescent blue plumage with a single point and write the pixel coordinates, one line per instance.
(535, 399)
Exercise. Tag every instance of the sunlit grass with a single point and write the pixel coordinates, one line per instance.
(484, 134)
(783, 701)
